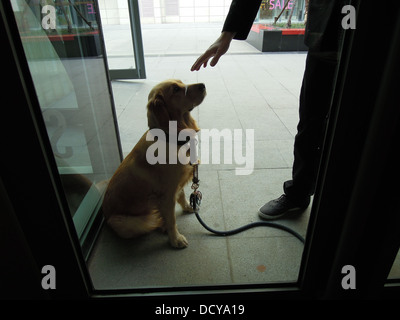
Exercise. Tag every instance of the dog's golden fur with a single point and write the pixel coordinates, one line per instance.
(141, 197)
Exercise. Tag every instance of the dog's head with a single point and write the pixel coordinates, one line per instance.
(172, 100)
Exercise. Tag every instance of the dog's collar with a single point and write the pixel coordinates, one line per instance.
(174, 139)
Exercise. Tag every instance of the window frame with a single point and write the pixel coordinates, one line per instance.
(329, 237)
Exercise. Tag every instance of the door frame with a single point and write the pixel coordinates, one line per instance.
(351, 223)
(343, 227)
(139, 72)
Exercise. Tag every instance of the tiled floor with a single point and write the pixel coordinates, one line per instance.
(246, 90)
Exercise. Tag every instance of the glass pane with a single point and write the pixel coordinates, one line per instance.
(395, 271)
(117, 34)
(284, 11)
(245, 91)
(61, 41)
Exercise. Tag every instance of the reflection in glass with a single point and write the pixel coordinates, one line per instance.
(61, 41)
(285, 11)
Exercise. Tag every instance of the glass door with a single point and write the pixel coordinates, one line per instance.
(62, 44)
(354, 223)
(123, 38)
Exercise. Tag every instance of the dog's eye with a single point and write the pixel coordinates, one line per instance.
(176, 88)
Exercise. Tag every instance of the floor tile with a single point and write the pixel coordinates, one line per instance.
(242, 197)
(267, 125)
(151, 262)
(289, 117)
(265, 260)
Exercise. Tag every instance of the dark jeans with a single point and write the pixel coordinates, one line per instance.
(315, 101)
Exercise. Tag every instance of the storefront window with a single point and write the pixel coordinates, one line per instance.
(292, 11)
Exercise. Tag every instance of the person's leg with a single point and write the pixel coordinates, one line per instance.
(315, 101)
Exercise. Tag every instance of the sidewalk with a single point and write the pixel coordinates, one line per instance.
(246, 90)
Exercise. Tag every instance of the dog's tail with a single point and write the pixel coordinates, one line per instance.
(133, 226)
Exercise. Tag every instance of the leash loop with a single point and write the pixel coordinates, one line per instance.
(195, 200)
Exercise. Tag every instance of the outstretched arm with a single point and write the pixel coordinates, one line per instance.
(215, 51)
(237, 26)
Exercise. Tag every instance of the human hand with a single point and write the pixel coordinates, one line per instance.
(216, 50)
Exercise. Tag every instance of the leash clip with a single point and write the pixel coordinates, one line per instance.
(195, 180)
(196, 196)
(195, 200)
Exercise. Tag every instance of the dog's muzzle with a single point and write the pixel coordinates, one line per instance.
(201, 87)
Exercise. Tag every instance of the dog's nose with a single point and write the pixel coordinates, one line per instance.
(202, 87)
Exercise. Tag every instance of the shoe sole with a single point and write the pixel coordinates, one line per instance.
(278, 216)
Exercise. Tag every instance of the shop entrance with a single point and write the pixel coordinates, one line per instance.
(71, 111)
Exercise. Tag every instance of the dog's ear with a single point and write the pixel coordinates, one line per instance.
(157, 114)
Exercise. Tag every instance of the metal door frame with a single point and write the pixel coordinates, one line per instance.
(139, 72)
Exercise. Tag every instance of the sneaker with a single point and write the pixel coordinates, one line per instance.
(280, 207)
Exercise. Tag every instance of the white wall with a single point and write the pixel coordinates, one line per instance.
(166, 11)
(114, 11)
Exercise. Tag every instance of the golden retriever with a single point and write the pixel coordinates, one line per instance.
(141, 197)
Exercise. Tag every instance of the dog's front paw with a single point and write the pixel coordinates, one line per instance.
(187, 207)
(179, 241)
